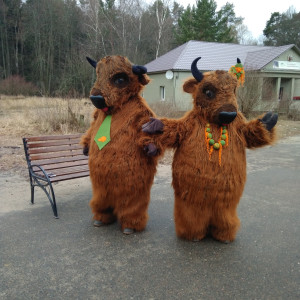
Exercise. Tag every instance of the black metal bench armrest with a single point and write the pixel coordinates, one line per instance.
(37, 176)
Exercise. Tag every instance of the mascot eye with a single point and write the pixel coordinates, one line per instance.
(209, 93)
(120, 80)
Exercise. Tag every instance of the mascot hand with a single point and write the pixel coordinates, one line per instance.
(151, 149)
(85, 150)
(269, 120)
(153, 126)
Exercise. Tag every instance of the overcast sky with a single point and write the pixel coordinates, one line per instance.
(255, 12)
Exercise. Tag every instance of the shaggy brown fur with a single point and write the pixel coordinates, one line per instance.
(121, 173)
(207, 193)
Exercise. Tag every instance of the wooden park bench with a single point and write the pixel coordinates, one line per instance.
(52, 159)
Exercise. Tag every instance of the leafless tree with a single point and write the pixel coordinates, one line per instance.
(162, 11)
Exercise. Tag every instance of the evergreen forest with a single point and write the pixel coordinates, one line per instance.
(43, 43)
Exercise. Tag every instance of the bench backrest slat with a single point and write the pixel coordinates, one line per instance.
(64, 165)
(53, 143)
(53, 137)
(50, 161)
(70, 176)
(54, 149)
(55, 155)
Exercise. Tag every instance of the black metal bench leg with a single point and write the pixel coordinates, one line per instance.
(32, 194)
(51, 197)
(53, 203)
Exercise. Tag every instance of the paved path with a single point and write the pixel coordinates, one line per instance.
(44, 258)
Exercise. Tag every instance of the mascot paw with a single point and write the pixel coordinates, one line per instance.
(128, 231)
(153, 126)
(269, 120)
(150, 149)
(85, 150)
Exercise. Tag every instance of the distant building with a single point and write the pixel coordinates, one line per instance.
(279, 65)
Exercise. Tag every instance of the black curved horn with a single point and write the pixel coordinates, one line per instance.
(238, 61)
(92, 62)
(196, 73)
(139, 70)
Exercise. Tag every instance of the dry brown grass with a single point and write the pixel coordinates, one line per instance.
(166, 109)
(31, 116)
(36, 115)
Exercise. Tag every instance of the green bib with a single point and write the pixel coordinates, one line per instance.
(103, 135)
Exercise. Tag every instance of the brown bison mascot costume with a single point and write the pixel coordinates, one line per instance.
(122, 159)
(209, 165)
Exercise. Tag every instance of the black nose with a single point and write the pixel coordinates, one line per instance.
(98, 101)
(226, 117)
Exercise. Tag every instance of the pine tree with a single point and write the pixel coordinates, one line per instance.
(204, 23)
(283, 29)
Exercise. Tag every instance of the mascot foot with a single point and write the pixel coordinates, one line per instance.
(98, 223)
(128, 231)
(197, 239)
(225, 242)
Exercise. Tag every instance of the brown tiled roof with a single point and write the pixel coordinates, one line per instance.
(215, 56)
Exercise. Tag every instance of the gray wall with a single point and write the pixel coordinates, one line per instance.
(174, 93)
(286, 76)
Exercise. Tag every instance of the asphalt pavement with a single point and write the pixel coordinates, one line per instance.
(68, 258)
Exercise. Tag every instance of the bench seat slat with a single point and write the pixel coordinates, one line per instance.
(63, 171)
(70, 176)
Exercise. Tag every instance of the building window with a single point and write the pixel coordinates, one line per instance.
(162, 93)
